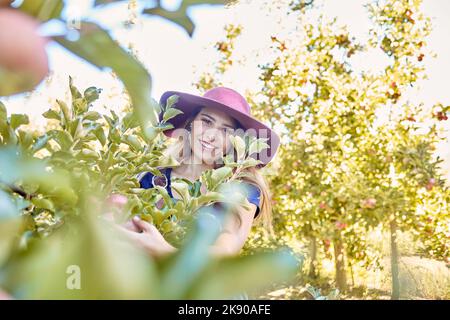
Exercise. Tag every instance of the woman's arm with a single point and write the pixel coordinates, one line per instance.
(233, 236)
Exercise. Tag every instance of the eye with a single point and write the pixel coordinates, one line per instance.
(207, 121)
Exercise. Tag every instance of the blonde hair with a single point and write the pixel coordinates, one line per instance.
(252, 176)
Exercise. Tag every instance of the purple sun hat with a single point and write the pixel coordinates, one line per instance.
(232, 103)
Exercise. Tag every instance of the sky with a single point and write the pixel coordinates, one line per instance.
(175, 60)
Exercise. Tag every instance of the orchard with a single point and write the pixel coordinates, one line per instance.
(343, 177)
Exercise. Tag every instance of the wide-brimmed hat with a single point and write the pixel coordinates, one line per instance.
(232, 103)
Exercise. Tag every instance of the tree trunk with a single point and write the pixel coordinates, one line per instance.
(394, 262)
(313, 262)
(351, 272)
(341, 277)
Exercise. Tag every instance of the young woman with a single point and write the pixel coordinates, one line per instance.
(205, 127)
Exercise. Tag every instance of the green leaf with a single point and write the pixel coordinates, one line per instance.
(102, 2)
(182, 271)
(63, 138)
(65, 110)
(182, 189)
(100, 135)
(129, 121)
(3, 111)
(250, 162)
(219, 175)
(171, 113)
(102, 255)
(231, 276)
(40, 142)
(257, 146)
(9, 225)
(133, 142)
(17, 120)
(233, 193)
(91, 94)
(87, 154)
(52, 114)
(151, 133)
(209, 197)
(25, 138)
(92, 116)
(43, 203)
(43, 10)
(167, 199)
(168, 161)
(7, 208)
(79, 106)
(180, 15)
(171, 101)
(239, 145)
(73, 90)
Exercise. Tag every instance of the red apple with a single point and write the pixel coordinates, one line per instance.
(431, 183)
(369, 203)
(442, 116)
(4, 295)
(340, 225)
(22, 52)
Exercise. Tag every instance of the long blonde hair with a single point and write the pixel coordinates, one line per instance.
(253, 176)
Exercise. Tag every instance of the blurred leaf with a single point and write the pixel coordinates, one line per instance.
(3, 111)
(9, 225)
(17, 120)
(91, 46)
(180, 16)
(43, 10)
(102, 2)
(182, 270)
(228, 277)
(43, 203)
(100, 255)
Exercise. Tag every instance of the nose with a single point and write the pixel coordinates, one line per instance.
(209, 136)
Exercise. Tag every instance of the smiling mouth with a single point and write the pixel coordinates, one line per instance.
(207, 145)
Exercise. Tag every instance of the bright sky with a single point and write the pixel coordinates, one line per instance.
(172, 57)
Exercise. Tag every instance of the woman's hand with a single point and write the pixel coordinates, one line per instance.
(146, 236)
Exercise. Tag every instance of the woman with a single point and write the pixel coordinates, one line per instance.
(205, 126)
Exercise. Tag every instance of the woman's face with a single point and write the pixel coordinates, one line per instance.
(210, 135)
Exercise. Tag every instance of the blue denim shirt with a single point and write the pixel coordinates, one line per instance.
(146, 182)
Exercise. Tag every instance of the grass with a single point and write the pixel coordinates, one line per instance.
(420, 277)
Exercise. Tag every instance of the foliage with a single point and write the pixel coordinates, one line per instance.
(54, 186)
(356, 156)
